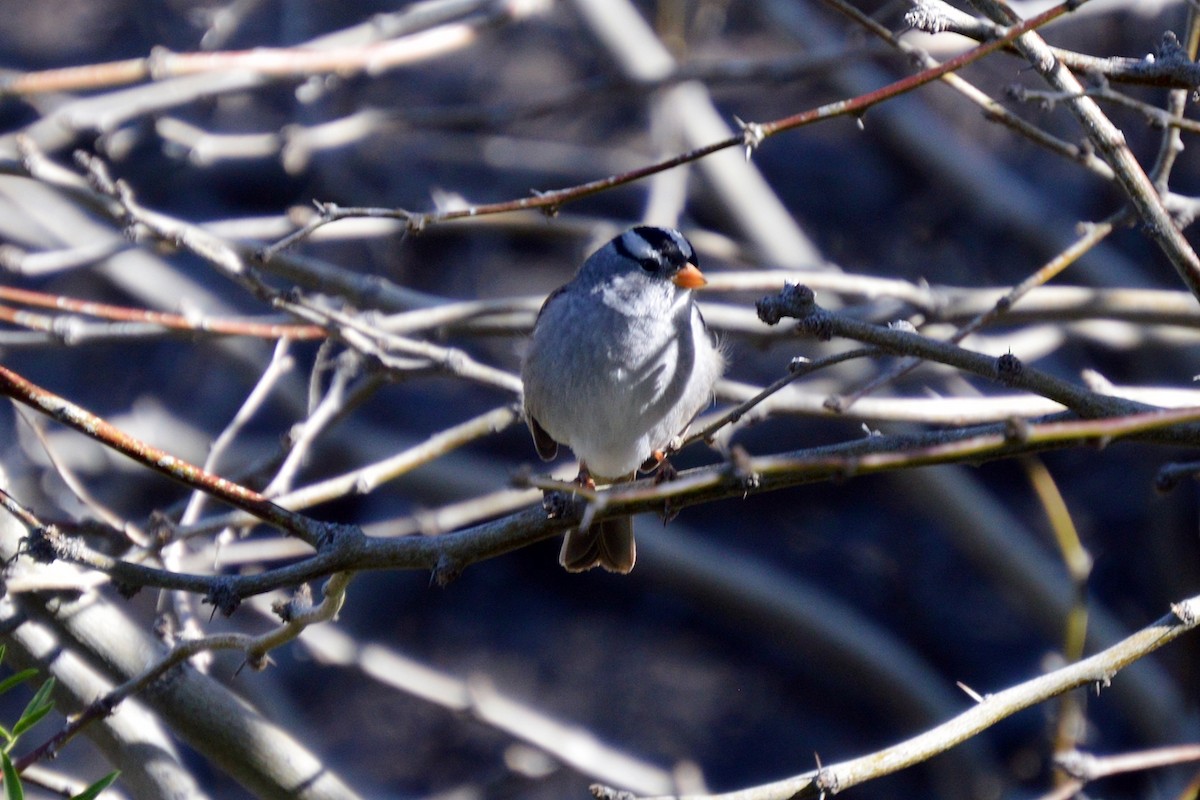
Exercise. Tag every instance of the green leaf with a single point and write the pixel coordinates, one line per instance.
(13, 680)
(41, 698)
(91, 792)
(12, 781)
(39, 706)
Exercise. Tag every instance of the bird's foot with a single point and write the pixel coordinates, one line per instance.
(584, 478)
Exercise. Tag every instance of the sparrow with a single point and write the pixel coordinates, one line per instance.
(619, 364)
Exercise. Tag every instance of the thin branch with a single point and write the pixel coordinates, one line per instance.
(158, 460)
(266, 62)
(281, 363)
(297, 615)
(195, 323)
(1089, 767)
(751, 136)
(933, 18)
(1092, 236)
(1111, 144)
(798, 302)
(1098, 670)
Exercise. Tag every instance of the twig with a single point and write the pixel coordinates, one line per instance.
(370, 340)
(280, 364)
(370, 476)
(161, 319)
(1098, 670)
(1089, 767)
(751, 136)
(1110, 142)
(923, 17)
(297, 615)
(267, 62)
(128, 531)
(798, 302)
(160, 461)
(1091, 236)
(796, 370)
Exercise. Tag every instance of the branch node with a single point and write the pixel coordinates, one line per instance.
(126, 590)
(741, 467)
(521, 477)
(336, 535)
(927, 18)
(793, 300)
(826, 781)
(550, 210)
(445, 572)
(753, 135)
(1016, 430)
(817, 324)
(223, 597)
(41, 545)
(1081, 766)
(558, 505)
(1008, 368)
(291, 608)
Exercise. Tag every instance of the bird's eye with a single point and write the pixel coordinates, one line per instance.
(649, 265)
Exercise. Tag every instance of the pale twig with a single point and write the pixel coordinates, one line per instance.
(930, 410)
(365, 479)
(798, 302)
(1098, 670)
(994, 536)
(281, 363)
(418, 32)
(959, 304)
(191, 324)
(296, 615)
(174, 552)
(797, 369)
(302, 436)
(48, 262)
(1078, 562)
(1154, 115)
(1093, 235)
(687, 110)
(264, 62)
(1088, 767)
(426, 522)
(1111, 144)
(994, 111)
(369, 340)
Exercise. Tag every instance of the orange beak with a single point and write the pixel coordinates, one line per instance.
(690, 277)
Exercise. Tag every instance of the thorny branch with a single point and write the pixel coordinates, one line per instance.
(1098, 670)
(410, 345)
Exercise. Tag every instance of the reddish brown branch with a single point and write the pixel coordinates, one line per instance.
(160, 461)
(750, 137)
(161, 318)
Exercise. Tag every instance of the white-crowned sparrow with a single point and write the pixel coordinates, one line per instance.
(619, 364)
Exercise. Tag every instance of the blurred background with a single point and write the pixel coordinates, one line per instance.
(830, 619)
